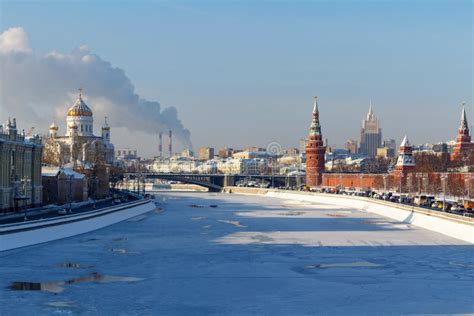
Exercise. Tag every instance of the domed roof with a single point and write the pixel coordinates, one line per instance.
(79, 107)
(54, 126)
(106, 125)
(73, 125)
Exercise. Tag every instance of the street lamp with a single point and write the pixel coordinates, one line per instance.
(385, 177)
(15, 184)
(24, 181)
(360, 180)
(444, 177)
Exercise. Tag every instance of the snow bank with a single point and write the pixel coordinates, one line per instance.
(36, 232)
(447, 224)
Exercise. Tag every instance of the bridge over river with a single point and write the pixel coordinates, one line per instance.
(216, 182)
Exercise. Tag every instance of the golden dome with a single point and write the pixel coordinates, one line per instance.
(79, 108)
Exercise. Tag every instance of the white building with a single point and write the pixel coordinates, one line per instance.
(79, 146)
(209, 166)
(243, 166)
(174, 164)
(20, 168)
(252, 154)
(225, 166)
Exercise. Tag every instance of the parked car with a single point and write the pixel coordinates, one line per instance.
(62, 211)
(424, 200)
(446, 207)
(435, 204)
(403, 198)
(457, 208)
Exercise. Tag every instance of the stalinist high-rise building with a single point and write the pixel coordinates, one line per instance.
(370, 135)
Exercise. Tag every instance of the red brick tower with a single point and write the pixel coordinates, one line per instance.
(315, 151)
(463, 140)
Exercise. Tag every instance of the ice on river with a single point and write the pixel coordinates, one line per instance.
(245, 255)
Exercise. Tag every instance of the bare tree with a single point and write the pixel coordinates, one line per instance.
(430, 162)
(52, 153)
(455, 185)
(377, 165)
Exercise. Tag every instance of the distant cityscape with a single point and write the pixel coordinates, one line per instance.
(91, 162)
(356, 156)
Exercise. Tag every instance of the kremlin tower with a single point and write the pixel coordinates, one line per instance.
(315, 151)
(405, 164)
(463, 141)
(405, 161)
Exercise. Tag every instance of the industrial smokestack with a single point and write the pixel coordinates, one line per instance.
(160, 145)
(171, 144)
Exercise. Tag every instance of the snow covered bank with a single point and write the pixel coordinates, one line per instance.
(36, 232)
(451, 225)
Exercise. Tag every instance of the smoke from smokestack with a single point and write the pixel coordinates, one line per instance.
(36, 89)
(160, 145)
(171, 144)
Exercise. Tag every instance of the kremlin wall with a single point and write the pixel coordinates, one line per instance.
(431, 183)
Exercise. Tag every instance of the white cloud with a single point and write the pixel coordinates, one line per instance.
(38, 90)
(14, 39)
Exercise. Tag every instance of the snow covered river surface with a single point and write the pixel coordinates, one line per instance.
(220, 254)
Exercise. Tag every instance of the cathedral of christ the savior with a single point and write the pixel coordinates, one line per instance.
(79, 147)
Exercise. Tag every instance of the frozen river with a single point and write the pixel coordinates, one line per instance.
(231, 254)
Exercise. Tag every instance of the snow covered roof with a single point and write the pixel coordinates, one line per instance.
(55, 171)
(405, 142)
(315, 105)
(315, 127)
(79, 163)
(464, 118)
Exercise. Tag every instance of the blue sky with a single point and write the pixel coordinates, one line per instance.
(245, 72)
